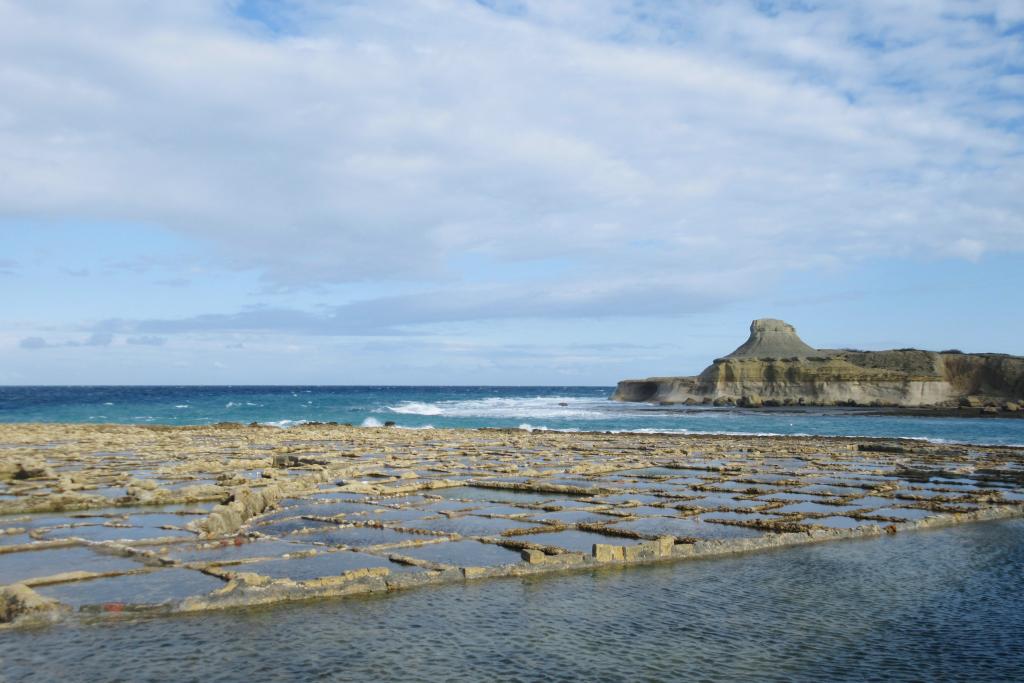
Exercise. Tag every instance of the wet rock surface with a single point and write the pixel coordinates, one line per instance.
(129, 519)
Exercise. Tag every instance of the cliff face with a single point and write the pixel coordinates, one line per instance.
(775, 367)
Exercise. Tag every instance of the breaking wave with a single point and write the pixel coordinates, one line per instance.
(284, 424)
(540, 407)
(416, 408)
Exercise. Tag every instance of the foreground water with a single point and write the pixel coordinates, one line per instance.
(566, 408)
(931, 605)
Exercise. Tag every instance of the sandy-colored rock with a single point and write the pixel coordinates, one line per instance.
(533, 556)
(775, 365)
(18, 601)
(770, 338)
(616, 472)
(13, 470)
(605, 552)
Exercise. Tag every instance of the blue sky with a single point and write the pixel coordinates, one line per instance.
(502, 191)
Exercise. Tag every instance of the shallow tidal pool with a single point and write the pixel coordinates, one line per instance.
(928, 605)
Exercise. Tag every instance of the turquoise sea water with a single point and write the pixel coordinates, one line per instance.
(564, 408)
(941, 605)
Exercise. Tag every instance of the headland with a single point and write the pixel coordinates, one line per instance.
(774, 367)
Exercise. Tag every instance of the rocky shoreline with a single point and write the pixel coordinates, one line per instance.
(770, 407)
(114, 520)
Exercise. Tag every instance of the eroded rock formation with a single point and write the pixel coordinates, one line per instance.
(775, 367)
(325, 511)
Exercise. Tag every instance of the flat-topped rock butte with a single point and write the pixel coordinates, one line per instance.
(774, 367)
(111, 520)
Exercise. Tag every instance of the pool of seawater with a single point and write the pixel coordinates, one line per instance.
(933, 605)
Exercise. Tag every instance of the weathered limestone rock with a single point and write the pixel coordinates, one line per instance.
(289, 460)
(18, 600)
(605, 552)
(19, 470)
(595, 462)
(533, 556)
(774, 366)
(246, 502)
(659, 548)
(770, 338)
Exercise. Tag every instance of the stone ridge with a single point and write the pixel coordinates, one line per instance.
(775, 367)
(770, 338)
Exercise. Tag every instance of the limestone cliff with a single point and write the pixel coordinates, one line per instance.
(775, 367)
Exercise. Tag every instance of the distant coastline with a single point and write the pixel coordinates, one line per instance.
(775, 368)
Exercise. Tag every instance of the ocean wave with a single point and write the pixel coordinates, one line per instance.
(527, 427)
(184, 405)
(371, 422)
(539, 407)
(416, 408)
(284, 424)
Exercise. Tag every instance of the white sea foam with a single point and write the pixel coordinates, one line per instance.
(231, 404)
(371, 422)
(527, 427)
(416, 408)
(183, 405)
(539, 407)
(284, 424)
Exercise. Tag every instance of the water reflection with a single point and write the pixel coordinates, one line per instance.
(927, 605)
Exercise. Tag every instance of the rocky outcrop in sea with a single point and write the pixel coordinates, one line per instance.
(774, 367)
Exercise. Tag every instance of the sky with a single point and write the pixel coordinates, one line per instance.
(514, 192)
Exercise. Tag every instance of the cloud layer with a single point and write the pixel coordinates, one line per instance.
(343, 142)
(495, 183)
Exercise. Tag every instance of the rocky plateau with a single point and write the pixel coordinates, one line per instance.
(126, 521)
(774, 367)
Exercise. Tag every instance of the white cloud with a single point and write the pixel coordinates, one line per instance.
(392, 315)
(387, 141)
(95, 339)
(968, 249)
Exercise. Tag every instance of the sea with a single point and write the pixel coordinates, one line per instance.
(565, 408)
